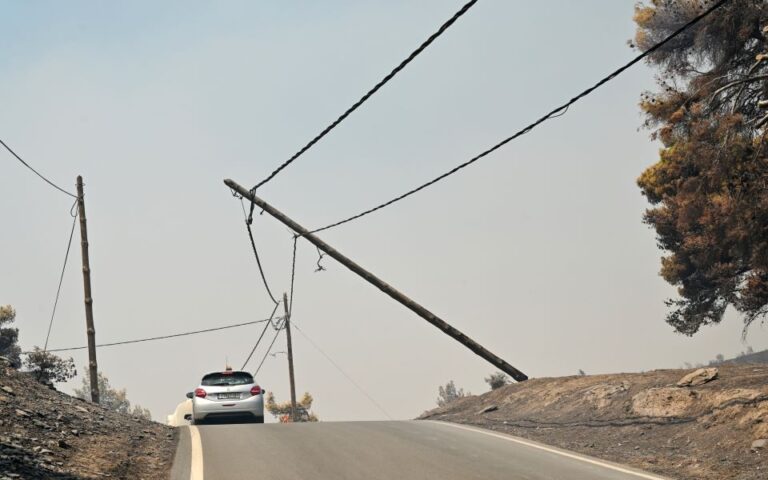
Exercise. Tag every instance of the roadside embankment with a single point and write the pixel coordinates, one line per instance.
(51, 435)
(707, 429)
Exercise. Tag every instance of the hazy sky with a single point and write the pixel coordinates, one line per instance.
(537, 252)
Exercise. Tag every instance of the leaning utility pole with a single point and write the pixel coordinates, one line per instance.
(92, 366)
(290, 355)
(381, 285)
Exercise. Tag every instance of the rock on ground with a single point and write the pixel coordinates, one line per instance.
(698, 377)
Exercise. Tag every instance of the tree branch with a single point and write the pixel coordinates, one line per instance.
(738, 82)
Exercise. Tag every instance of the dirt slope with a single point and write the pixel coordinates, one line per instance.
(45, 434)
(641, 419)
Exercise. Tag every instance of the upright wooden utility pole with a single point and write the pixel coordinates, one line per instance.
(92, 365)
(381, 285)
(290, 355)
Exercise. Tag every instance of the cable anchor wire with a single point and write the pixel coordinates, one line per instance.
(321, 254)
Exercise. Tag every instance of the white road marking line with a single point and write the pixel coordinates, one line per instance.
(552, 450)
(195, 454)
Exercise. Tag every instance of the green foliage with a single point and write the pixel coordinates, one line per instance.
(497, 380)
(449, 393)
(708, 190)
(9, 336)
(47, 368)
(283, 410)
(110, 397)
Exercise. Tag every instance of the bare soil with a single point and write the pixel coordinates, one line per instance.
(639, 419)
(45, 434)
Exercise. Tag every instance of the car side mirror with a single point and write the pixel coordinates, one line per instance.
(190, 394)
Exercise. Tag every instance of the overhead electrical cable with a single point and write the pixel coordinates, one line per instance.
(370, 93)
(248, 221)
(277, 333)
(336, 365)
(558, 111)
(288, 307)
(260, 337)
(35, 171)
(61, 279)
(258, 262)
(293, 276)
(163, 337)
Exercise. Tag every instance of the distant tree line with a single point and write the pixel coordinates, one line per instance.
(449, 393)
(720, 359)
(49, 369)
(110, 397)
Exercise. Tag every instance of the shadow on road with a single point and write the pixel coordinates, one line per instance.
(228, 421)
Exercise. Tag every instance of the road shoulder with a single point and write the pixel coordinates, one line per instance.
(182, 459)
(551, 449)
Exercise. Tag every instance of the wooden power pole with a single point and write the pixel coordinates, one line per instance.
(290, 355)
(381, 285)
(92, 365)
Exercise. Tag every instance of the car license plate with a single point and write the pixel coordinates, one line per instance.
(229, 396)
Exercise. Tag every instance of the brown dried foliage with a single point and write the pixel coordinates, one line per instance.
(708, 190)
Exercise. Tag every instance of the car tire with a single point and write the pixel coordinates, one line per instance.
(258, 420)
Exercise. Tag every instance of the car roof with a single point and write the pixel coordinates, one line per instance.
(228, 372)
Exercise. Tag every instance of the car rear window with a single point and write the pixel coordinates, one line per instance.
(227, 378)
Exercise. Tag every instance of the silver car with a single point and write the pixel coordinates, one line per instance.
(227, 395)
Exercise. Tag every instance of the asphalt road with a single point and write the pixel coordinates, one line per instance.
(377, 450)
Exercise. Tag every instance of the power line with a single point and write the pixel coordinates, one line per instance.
(370, 93)
(61, 279)
(194, 332)
(258, 262)
(35, 171)
(242, 205)
(268, 350)
(552, 114)
(293, 275)
(248, 221)
(260, 337)
(343, 372)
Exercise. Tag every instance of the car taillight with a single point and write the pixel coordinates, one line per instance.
(255, 390)
(199, 392)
